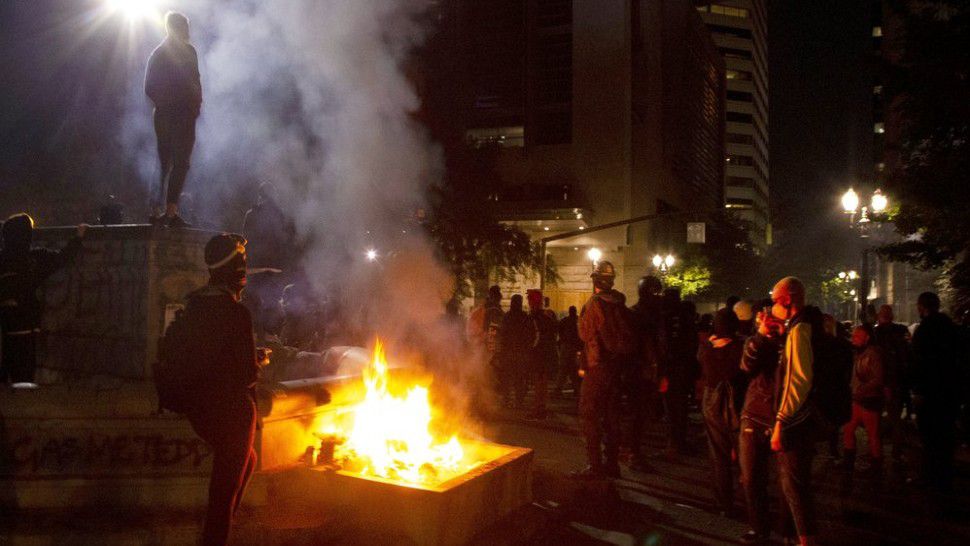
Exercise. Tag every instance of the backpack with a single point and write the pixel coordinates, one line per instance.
(831, 389)
(617, 334)
(177, 373)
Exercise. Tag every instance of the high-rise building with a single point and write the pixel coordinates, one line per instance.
(602, 111)
(739, 28)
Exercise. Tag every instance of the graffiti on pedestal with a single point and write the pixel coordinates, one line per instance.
(59, 452)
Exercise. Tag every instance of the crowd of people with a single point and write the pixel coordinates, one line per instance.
(773, 380)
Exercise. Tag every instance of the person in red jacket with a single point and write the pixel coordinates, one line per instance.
(868, 398)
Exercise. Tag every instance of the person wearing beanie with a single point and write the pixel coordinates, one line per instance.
(23, 271)
(720, 359)
(744, 311)
(543, 356)
(225, 414)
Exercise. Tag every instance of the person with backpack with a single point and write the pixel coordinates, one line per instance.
(893, 339)
(868, 397)
(606, 330)
(794, 432)
(720, 359)
(208, 368)
(23, 271)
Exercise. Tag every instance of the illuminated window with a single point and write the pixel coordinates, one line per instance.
(879, 128)
(505, 137)
(876, 32)
(730, 11)
(880, 166)
(877, 90)
(737, 75)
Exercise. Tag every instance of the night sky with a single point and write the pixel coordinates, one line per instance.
(60, 93)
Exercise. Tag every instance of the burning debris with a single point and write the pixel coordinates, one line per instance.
(389, 434)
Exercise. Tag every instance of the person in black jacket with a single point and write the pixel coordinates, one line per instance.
(517, 338)
(22, 272)
(760, 362)
(225, 417)
(173, 84)
(720, 360)
(936, 390)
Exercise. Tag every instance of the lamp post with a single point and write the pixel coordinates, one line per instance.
(663, 263)
(878, 203)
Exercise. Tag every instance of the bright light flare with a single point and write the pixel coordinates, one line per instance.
(134, 9)
(669, 260)
(594, 255)
(657, 260)
(850, 201)
(371, 255)
(879, 201)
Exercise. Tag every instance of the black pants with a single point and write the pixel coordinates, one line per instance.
(639, 396)
(795, 476)
(718, 409)
(229, 431)
(19, 360)
(598, 400)
(754, 452)
(937, 430)
(676, 401)
(175, 133)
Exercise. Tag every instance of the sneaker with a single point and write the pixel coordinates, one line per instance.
(176, 222)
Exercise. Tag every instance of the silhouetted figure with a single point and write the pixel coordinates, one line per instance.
(226, 419)
(893, 339)
(868, 399)
(640, 382)
(517, 337)
(22, 272)
(111, 213)
(570, 348)
(680, 363)
(173, 84)
(543, 356)
(270, 232)
(720, 360)
(936, 389)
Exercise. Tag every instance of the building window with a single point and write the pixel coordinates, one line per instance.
(729, 11)
(879, 127)
(738, 117)
(734, 53)
(737, 138)
(743, 33)
(880, 167)
(739, 204)
(743, 75)
(876, 32)
(877, 90)
(740, 160)
(740, 182)
(505, 137)
(739, 95)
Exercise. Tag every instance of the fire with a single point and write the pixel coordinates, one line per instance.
(390, 436)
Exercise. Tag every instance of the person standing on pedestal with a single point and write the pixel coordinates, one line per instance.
(173, 84)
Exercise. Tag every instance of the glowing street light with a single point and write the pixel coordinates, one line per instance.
(850, 201)
(663, 263)
(135, 9)
(371, 255)
(843, 274)
(853, 275)
(879, 201)
(594, 254)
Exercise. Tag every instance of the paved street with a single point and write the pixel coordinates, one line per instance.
(673, 505)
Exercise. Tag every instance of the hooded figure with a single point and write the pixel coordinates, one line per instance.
(227, 418)
(23, 271)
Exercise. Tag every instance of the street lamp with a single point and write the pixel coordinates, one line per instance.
(371, 255)
(878, 203)
(663, 263)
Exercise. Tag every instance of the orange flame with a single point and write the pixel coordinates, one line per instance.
(390, 435)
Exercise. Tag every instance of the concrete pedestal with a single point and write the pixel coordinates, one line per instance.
(105, 313)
